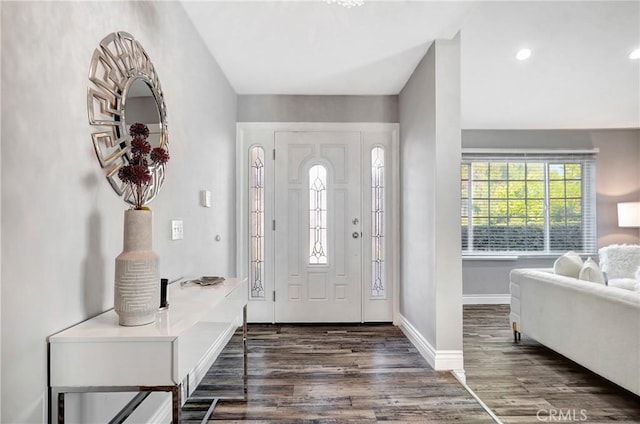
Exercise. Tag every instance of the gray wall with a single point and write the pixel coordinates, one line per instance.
(276, 108)
(61, 222)
(617, 180)
(431, 282)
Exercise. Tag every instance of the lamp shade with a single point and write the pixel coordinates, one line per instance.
(629, 214)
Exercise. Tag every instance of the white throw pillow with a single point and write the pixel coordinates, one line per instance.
(568, 265)
(590, 271)
(620, 260)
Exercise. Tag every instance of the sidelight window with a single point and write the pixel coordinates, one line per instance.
(377, 223)
(256, 230)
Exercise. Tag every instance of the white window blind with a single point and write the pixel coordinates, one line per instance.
(528, 203)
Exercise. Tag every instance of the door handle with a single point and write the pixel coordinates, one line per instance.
(355, 234)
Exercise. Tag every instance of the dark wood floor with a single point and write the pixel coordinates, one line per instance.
(520, 381)
(370, 373)
(334, 374)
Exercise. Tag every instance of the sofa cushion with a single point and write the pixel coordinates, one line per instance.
(568, 265)
(620, 260)
(625, 283)
(590, 271)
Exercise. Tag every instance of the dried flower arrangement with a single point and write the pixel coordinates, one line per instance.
(136, 173)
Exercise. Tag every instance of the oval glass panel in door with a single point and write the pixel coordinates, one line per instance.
(377, 223)
(318, 215)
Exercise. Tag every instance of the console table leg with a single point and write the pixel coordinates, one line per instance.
(175, 398)
(244, 351)
(56, 407)
(60, 412)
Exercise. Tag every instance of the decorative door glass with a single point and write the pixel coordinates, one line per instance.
(377, 223)
(256, 202)
(318, 215)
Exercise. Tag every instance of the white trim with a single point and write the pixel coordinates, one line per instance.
(439, 360)
(460, 375)
(395, 221)
(241, 267)
(318, 126)
(506, 150)
(463, 380)
(164, 414)
(486, 299)
(420, 343)
(490, 257)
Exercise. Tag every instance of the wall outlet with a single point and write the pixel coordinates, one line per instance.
(177, 230)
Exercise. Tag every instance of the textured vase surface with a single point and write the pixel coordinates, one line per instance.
(137, 281)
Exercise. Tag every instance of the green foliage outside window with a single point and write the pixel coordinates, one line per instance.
(506, 205)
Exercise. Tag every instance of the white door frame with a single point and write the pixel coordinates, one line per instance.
(262, 134)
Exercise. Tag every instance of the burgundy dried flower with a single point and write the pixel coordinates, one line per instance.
(139, 130)
(136, 174)
(159, 155)
(125, 174)
(140, 175)
(140, 146)
(138, 160)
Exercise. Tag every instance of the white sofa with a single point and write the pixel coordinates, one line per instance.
(595, 325)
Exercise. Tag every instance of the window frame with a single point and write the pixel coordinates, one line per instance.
(587, 216)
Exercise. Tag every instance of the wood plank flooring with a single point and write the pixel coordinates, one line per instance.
(371, 373)
(333, 374)
(518, 380)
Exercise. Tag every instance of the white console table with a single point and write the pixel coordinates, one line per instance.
(172, 355)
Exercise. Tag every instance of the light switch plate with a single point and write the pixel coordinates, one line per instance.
(205, 198)
(177, 229)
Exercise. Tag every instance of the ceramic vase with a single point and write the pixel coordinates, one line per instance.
(137, 279)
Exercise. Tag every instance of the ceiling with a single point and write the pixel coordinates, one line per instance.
(579, 75)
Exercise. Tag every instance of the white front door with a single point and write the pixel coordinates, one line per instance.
(318, 234)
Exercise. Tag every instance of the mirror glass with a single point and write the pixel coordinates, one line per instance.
(140, 105)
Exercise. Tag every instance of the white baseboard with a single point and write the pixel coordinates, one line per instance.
(439, 360)
(486, 299)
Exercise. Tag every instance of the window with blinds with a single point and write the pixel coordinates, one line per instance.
(528, 204)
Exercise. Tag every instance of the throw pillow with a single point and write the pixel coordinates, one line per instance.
(620, 260)
(590, 271)
(568, 265)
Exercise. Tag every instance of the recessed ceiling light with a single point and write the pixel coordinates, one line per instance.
(634, 54)
(523, 54)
